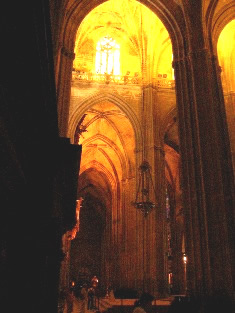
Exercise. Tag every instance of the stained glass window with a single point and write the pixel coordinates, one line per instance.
(107, 56)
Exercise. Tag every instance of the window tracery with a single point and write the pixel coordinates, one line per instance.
(107, 56)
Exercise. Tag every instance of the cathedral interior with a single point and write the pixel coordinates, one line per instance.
(117, 148)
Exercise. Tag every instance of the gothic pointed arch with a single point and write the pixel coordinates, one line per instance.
(89, 251)
(170, 14)
(112, 98)
(218, 16)
(113, 146)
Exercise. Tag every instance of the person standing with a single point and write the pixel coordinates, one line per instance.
(94, 285)
(84, 298)
(91, 295)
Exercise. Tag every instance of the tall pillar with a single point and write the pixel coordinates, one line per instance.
(161, 226)
(177, 234)
(207, 174)
(155, 223)
(64, 88)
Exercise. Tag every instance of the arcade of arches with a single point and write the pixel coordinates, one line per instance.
(150, 80)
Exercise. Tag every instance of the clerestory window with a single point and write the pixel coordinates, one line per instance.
(107, 56)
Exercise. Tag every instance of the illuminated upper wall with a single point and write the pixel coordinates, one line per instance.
(226, 55)
(144, 41)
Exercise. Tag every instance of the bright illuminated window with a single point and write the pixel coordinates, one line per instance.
(107, 56)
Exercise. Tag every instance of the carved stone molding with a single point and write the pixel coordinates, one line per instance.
(67, 53)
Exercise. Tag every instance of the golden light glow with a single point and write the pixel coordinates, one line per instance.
(126, 38)
(140, 43)
(226, 56)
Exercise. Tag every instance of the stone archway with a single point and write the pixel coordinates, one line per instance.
(64, 54)
(201, 120)
(108, 145)
(139, 102)
(89, 250)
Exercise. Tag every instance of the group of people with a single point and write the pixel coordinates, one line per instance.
(77, 298)
(87, 296)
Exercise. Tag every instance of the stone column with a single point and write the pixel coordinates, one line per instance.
(160, 215)
(155, 223)
(207, 174)
(177, 232)
(64, 88)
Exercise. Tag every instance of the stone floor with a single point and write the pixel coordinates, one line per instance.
(118, 305)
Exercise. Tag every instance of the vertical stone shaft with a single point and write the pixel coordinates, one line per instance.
(155, 227)
(206, 172)
(64, 89)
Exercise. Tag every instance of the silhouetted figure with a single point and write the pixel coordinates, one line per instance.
(84, 298)
(91, 296)
(144, 304)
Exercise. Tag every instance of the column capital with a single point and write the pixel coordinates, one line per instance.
(215, 60)
(177, 61)
(67, 53)
(190, 56)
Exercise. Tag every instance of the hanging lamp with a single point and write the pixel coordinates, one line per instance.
(145, 184)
